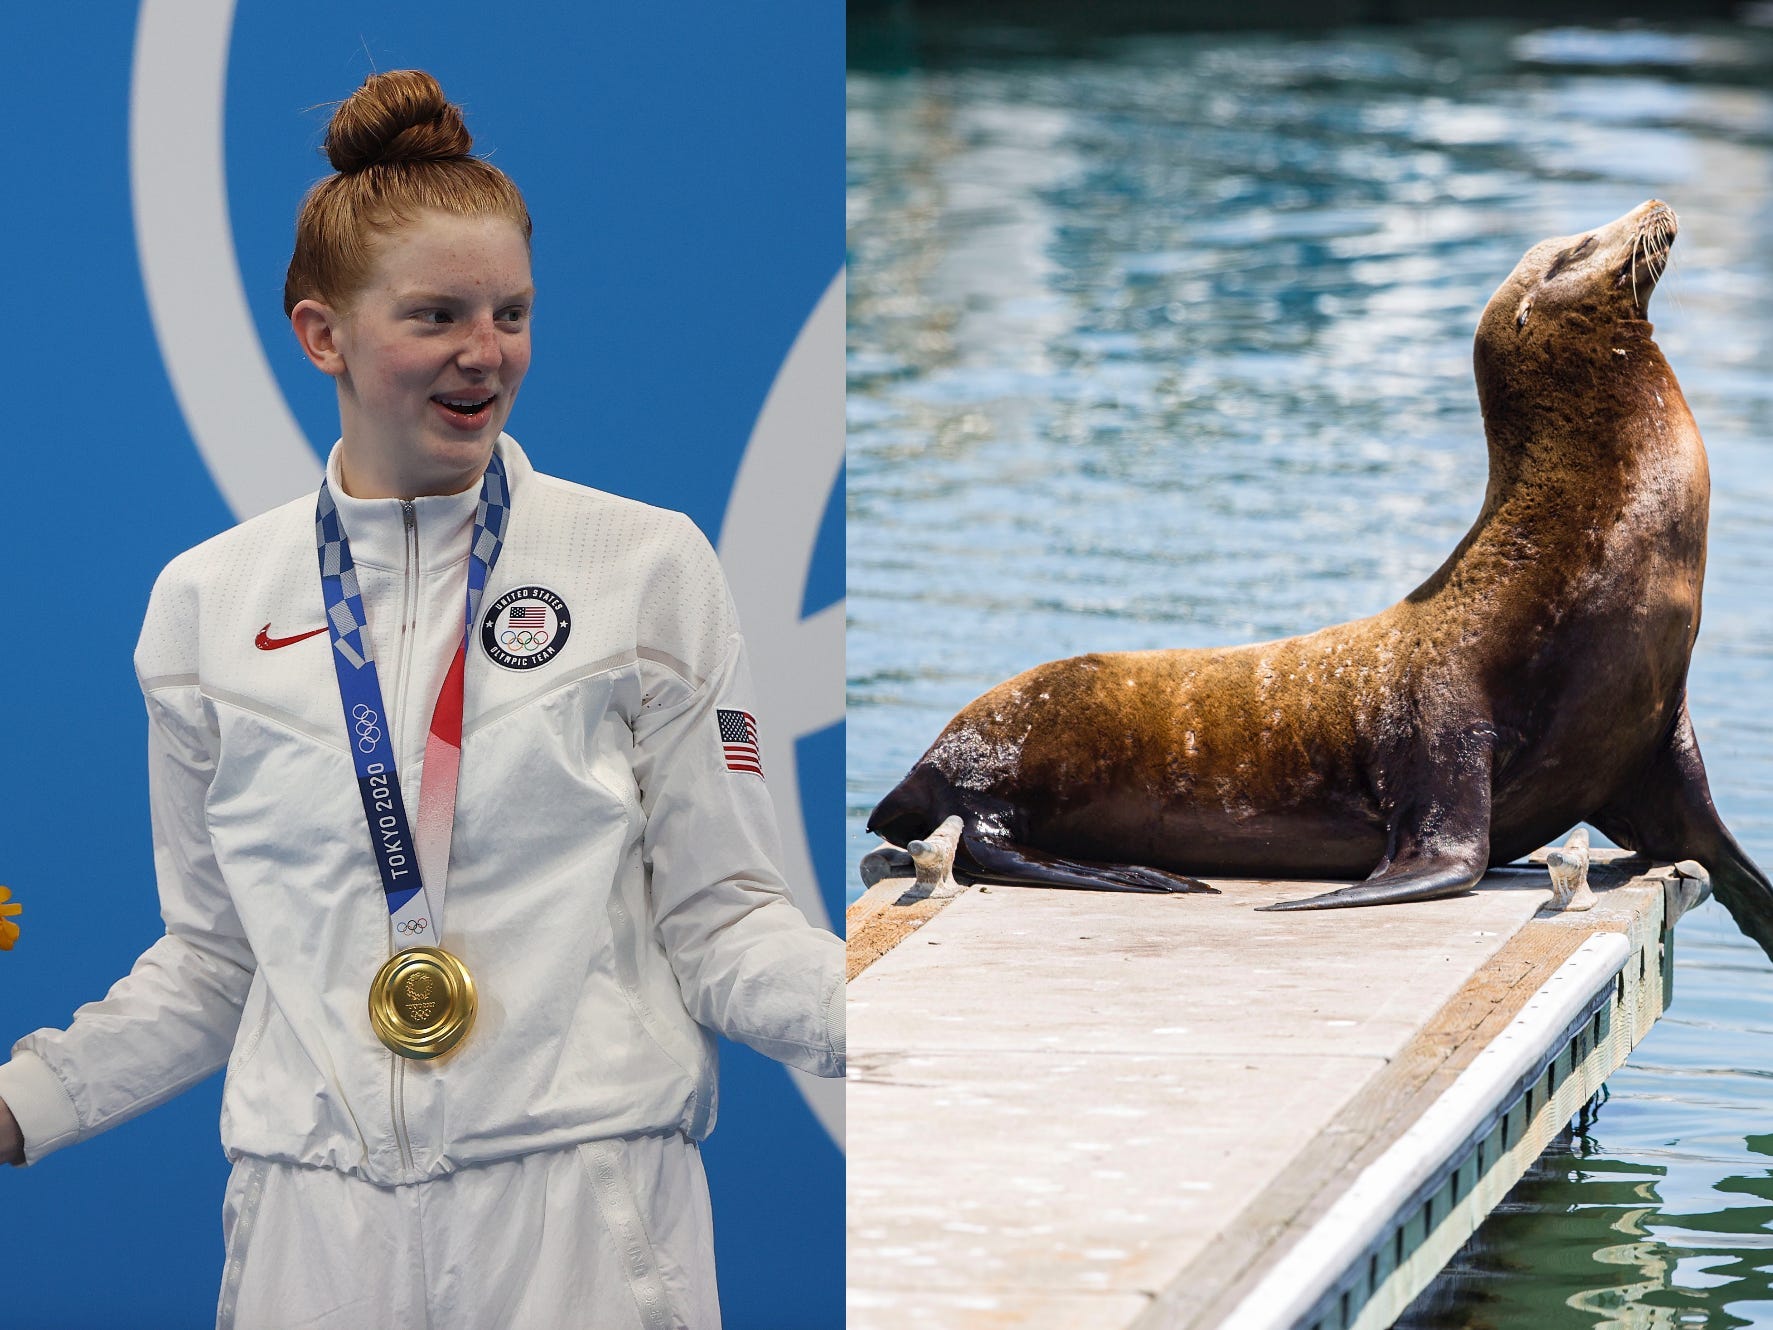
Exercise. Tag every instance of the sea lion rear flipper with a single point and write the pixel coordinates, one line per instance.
(1016, 865)
(1439, 838)
(1667, 813)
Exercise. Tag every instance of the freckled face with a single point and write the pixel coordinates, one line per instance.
(431, 354)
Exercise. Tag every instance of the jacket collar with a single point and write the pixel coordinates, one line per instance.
(444, 523)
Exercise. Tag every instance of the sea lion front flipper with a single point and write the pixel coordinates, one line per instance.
(1016, 865)
(1439, 838)
(1423, 879)
(1667, 814)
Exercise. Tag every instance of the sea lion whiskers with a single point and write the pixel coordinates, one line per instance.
(1652, 247)
(1663, 239)
(1632, 267)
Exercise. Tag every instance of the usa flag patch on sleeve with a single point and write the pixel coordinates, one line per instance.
(738, 736)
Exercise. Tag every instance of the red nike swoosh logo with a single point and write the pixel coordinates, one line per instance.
(265, 642)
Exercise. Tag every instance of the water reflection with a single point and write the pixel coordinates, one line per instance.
(1166, 342)
(1587, 1240)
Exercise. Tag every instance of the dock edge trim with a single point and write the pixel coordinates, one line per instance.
(1414, 1166)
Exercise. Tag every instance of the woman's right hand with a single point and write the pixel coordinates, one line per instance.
(12, 1140)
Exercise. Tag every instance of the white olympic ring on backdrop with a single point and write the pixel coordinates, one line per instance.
(258, 456)
(766, 547)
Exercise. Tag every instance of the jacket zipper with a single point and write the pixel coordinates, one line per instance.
(409, 613)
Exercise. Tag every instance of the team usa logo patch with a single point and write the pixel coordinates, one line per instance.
(525, 628)
(738, 736)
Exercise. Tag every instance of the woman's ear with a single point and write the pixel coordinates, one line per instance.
(316, 328)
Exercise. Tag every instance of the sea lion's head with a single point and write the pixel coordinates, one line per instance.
(1571, 304)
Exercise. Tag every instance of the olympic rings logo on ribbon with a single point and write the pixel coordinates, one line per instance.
(410, 926)
(369, 732)
(523, 637)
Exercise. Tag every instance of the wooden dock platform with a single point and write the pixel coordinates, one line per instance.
(1093, 1111)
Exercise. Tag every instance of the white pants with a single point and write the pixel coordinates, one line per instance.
(610, 1235)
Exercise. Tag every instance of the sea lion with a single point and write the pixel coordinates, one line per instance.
(1536, 680)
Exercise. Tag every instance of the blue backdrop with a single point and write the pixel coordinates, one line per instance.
(683, 165)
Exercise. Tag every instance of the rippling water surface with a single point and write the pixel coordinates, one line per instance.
(1165, 341)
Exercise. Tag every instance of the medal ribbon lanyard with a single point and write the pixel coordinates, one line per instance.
(417, 913)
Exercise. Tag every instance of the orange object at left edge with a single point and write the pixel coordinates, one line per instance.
(8, 929)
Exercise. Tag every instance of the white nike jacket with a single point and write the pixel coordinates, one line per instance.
(612, 883)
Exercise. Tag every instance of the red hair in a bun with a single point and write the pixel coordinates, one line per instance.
(398, 148)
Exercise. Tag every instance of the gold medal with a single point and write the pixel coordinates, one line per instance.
(422, 1002)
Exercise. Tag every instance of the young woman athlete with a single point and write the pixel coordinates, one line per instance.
(462, 839)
